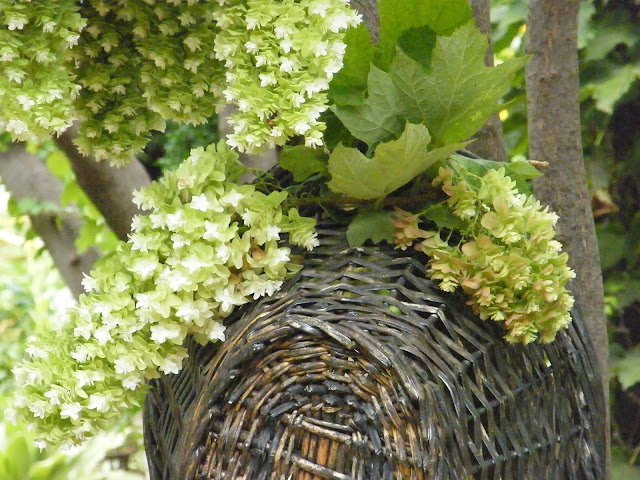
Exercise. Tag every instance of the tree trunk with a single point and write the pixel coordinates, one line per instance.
(25, 175)
(369, 11)
(109, 188)
(489, 143)
(554, 136)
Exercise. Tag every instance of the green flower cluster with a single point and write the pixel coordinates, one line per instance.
(36, 87)
(207, 246)
(280, 57)
(507, 260)
(141, 64)
(136, 64)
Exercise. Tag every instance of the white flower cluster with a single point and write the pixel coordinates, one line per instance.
(36, 87)
(136, 65)
(207, 246)
(280, 57)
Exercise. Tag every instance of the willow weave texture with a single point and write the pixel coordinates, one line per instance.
(360, 368)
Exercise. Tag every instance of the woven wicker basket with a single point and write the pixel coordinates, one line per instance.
(360, 368)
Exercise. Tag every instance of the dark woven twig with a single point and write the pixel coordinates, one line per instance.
(360, 368)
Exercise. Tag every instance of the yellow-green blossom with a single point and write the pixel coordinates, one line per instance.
(206, 247)
(123, 69)
(507, 260)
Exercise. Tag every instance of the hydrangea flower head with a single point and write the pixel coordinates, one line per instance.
(177, 277)
(506, 261)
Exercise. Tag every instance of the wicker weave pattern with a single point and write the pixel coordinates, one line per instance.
(360, 368)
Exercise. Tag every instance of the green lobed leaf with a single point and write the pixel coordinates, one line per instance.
(614, 85)
(442, 215)
(612, 30)
(628, 368)
(393, 164)
(350, 83)
(460, 93)
(303, 161)
(397, 16)
(418, 43)
(378, 119)
(374, 225)
(472, 168)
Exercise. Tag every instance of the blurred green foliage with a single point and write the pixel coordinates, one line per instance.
(31, 295)
(609, 53)
(166, 150)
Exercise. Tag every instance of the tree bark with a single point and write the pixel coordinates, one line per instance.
(489, 141)
(109, 188)
(25, 175)
(369, 11)
(554, 136)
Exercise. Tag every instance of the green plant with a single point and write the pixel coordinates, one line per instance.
(393, 112)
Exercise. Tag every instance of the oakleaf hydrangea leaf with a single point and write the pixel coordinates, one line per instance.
(303, 161)
(378, 119)
(374, 225)
(397, 16)
(459, 93)
(393, 164)
(474, 168)
(349, 84)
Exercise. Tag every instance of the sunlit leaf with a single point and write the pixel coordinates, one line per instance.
(394, 164)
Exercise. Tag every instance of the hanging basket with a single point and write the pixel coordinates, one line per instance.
(361, 368)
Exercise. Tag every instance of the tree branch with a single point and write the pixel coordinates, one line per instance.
(554, 136)
(25, 175)
(109, 188)
(489, 143)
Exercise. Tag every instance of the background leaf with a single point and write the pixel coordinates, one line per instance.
(628, 368)
(620, 468)
(397, 16)
(378, 119)
(350, 83)
(612, 84)
(374, 225)
(610, 31)
(303, 161)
